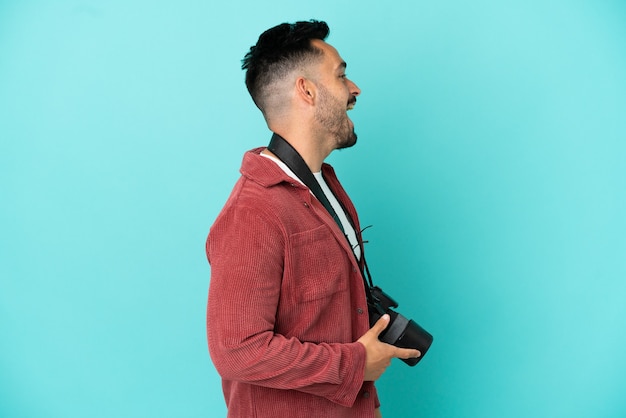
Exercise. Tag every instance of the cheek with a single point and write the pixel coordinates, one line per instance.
(345, 90)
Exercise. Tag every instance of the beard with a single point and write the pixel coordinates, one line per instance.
(332, 116)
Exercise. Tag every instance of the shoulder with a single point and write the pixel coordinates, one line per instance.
(264, 194)
(262, 170)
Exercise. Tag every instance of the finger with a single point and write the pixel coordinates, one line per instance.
(380, 325)
(406, 353)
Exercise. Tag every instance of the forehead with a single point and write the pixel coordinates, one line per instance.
(331, 56)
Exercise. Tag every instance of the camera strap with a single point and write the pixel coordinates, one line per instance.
(292, 159)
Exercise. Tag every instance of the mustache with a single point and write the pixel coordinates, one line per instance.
(352, 100)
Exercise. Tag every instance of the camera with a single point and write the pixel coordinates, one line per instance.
(400, 332)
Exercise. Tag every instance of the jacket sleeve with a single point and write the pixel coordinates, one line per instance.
(246, 251)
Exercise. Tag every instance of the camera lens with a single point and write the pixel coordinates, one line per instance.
(405, 333)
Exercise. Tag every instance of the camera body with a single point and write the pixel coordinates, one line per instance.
(400, 332)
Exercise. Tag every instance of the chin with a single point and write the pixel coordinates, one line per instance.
(348, 142)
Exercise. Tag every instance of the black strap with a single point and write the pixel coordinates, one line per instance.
(292, 159)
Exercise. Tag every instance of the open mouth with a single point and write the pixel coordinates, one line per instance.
(351, 103)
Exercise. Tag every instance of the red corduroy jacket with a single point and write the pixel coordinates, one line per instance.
(286, 301)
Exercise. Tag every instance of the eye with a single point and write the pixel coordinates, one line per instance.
(343, 76)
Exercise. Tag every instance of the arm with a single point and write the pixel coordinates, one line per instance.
(246, 251)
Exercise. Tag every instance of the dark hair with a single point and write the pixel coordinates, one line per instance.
(277, 52)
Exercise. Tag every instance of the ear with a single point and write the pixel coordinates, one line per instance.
(306, 90)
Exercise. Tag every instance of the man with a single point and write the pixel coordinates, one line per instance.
(287, 317)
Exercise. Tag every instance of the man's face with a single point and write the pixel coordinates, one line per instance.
(336, 95)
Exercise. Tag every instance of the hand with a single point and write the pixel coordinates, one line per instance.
(378, 354)
(377, 413)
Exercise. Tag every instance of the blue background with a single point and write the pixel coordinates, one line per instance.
(490, 162)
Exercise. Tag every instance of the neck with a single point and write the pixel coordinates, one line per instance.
(308, 147)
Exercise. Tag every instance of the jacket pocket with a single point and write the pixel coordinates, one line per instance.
(317, 265)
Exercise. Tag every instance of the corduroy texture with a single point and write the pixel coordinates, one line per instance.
(286, 301)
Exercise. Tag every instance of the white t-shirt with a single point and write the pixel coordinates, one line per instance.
(347, 226)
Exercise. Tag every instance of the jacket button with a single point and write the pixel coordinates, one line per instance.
(360, 311)
(306, 205)
(366, 394)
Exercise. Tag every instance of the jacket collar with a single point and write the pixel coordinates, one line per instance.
(266, 173)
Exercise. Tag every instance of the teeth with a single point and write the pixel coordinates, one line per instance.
(351, 106)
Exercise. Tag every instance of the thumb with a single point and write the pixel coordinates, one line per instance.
(380, 325)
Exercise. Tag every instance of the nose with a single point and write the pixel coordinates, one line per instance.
(354, 89)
